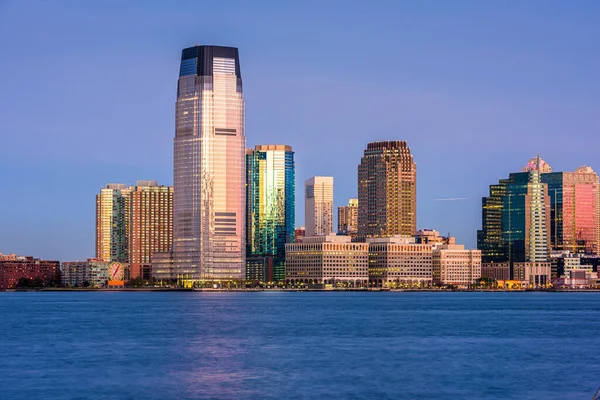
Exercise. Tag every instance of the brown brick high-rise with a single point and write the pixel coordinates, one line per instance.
(150, 225)
(387, 190)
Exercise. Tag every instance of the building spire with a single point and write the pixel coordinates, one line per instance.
(538, 163)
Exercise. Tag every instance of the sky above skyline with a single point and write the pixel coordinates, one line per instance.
(476, 89)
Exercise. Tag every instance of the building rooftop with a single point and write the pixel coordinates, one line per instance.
(532, 165)
(331, 238)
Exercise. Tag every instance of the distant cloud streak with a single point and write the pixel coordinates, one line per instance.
(452, 199)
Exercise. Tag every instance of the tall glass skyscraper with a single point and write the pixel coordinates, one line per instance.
(270, 199)
(209, 167)
(573, 218)
(516, 218)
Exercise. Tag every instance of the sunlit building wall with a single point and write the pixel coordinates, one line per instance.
(348, 218)
(112, 223)
(209, 167)
(452, 264)
(387, 190)
(327, 260)
(430, 236)
(270, 200)
(150, 226)
(318, 205)
(397, 261)
(574, 210)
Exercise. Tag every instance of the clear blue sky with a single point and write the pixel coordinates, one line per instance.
(87, 91)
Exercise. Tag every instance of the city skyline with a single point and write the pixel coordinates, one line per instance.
(536, 100)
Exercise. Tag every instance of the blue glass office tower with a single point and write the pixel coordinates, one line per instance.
(270, 199)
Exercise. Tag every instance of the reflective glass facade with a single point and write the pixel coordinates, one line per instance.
(574, 210)
(489, 238)
(270, 199)
(209, 167)
(516, 220)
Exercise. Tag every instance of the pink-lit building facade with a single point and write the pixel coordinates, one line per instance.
(574, 210)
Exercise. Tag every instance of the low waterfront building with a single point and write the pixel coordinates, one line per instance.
(327, 261)
(13, 268)
(578, 278)
(99, 273)
(92, 273)
(162, 266)
(562, 261)
(260, 268)
(75, 274)
(455, 265)
(398, 261)
(497, 271)
(533, 274)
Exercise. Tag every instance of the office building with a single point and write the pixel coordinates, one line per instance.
(162, 266)
(574, 206)
(262, 269)
(489, 238)
(318, 205)
(515, 225)
(387, 190)
(150, 225)
(209, 167)
(327, 261)
(398, 262)
(348, 218)
(498, 271)
(270, 201)
(452, 264)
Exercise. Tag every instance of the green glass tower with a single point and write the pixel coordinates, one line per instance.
(270, 200)
(516, 219)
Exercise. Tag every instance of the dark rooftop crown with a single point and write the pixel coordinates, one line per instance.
(204, 56)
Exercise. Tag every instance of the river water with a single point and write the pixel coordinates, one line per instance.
(274, 345)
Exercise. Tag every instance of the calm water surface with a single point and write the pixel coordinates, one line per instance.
(299, 345)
